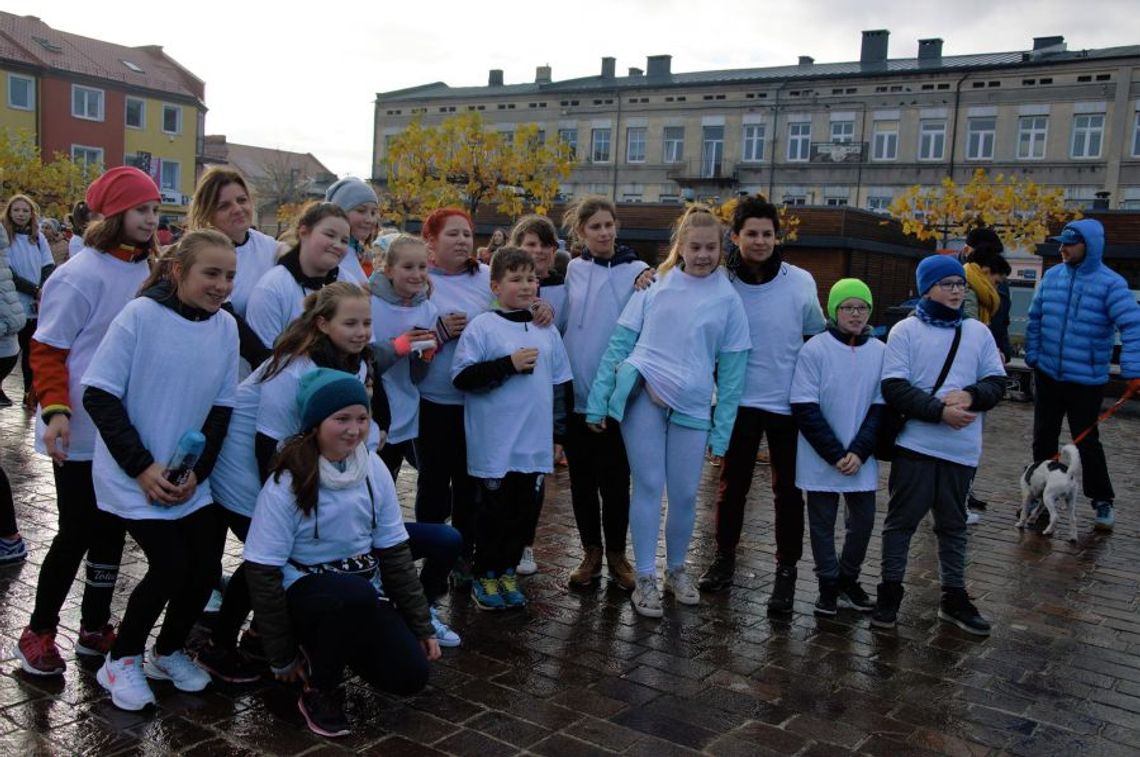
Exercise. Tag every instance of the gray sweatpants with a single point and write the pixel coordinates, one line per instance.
(918, 485)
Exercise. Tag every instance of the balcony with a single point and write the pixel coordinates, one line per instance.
(692, 173)
(838, 152)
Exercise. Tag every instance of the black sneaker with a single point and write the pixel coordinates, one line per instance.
(957, 608)
(251, 647)
(224, 663)
(323, 713)
(718, 577)
(974, 503)
(826, 604)
(886, 612)
(852, 596)
(783, 591)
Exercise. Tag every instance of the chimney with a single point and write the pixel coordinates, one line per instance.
(806, 60)
(930, 49)
(609, 67)
(1101, 201)
(635, 71)
(874, 48)
(495, 78)
(542, 75)
(1041, 43)
(657, 66)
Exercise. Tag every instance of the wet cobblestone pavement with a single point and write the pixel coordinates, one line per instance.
(578, 673)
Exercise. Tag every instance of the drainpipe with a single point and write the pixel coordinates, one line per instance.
(775, 140)
(615, 142)
(954, 124)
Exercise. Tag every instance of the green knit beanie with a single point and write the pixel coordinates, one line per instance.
(845, 289)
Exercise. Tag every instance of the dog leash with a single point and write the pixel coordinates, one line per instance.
(1131, 389)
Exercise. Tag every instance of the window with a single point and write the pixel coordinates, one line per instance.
(799, 142)
(796, 199)
(21, 92)
(87, 157)
(843, 131)
(569, 137)
(1031, 133)
(136, 113)
(171, 119)
(600, 146)
(886, 140)
(931, 140)
(879, 204)
(635, 144)
(835, 202)
(980, 138)
(753, 148)
(1088, 132)
(674, 144)
(171, 176)
(86, 103)
(1136, 137)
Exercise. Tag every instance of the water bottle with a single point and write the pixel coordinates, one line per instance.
(182, 462)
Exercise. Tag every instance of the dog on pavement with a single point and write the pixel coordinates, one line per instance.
(1051, 485)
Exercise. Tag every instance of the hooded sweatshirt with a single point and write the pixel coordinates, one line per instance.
(392, 315)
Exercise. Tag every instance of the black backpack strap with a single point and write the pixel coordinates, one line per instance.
(949, 360)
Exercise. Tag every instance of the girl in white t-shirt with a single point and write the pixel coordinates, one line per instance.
(167, 366)
(31, 261)
(76, 308)
(359, 202)
(657, 378)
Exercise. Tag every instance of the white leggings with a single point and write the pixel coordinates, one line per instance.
(661, 453)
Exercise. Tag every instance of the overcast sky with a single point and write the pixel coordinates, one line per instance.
(305, 80)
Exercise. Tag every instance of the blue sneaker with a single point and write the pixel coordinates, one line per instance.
(13, 551)
(1105, 517)
(509, 588)
(485, 592)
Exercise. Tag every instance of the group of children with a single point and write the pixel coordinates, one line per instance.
(302, 385)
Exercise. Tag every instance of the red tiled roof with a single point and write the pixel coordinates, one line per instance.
(28, 40)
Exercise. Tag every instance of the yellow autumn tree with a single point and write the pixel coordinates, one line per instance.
(54, 184)
(1021, 211)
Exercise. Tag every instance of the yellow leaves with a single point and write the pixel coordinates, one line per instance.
(54, 185)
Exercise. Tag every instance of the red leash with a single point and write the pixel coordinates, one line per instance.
(1128, 392)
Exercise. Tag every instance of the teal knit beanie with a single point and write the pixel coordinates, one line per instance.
(323, 391)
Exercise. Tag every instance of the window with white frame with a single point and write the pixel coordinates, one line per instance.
(86, 103)
(795, 199)
(1031, 134)
(879, 203)
(569, 137)
(835, 202)
(932, 140)
(980, 138)
(635, 145)
(171, 119)
(885, 142)
(600, 146)
(170, 179)
(842, 131)
(753, 144)
(799, 141)
(21, 92)
(674, 144)
(136, 113)
(87, 157)
(1088, 134)
(1136, 137)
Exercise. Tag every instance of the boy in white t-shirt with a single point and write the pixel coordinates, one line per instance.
(837, 406)
(508, 370)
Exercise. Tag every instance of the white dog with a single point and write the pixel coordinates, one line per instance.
(1051, 484)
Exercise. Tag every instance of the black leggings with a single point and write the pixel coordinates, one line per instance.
(182, 567)
(7, 508)
(443, 487)
(394, 456)
(506, 510)
(84, 529)
(6, 366)
(236, 604)
(598, 467)
(340, 621)
(24, 338)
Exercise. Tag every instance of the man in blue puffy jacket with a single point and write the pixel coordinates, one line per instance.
(1068, 342)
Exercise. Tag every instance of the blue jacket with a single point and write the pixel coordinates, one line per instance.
(1074, 315)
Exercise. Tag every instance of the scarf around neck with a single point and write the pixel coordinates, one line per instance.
(938, 315)
(984, 290)
(355, 469)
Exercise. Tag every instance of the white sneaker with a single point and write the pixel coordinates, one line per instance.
(443, 633)
(973, 518)
(125, 680)
(178, 668)
(680, 585)
(646, 599)
(527, 566)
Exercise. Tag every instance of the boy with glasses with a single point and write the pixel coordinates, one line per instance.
(942, 372)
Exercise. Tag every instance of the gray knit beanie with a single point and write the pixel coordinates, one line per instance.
(350, 193)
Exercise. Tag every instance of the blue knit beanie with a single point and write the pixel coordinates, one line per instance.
(935, 268)
(323, 391)
(350, 193)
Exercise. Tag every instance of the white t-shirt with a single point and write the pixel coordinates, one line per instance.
(279, 416)
(468, 293)
(27, 256)
(511, 427)
(77, 305)
(780, 314)
(555, 295)
(235, 480)
(388, 321)
(351, 270)
(280, 532)
(254, 259)
(844, 382)
(684, 322)
(595, 297)
(74, 245)
(169, 372)
(276, 300)
(916, 352)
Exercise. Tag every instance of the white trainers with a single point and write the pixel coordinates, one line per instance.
(527, 566)
(443, 633)
(973, 517)
(646, 599)
(178, 668)
(680, 585)
(125, 680)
